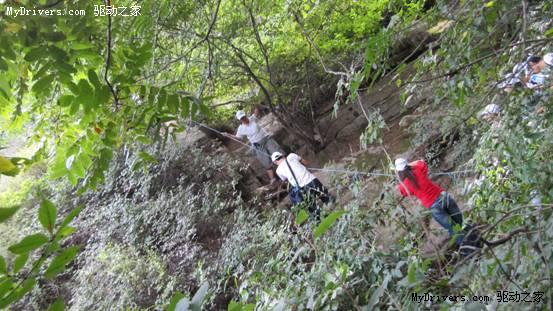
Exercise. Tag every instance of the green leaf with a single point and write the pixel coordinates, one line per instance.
(93, 78)
(20, 262)
(174, 300)
(57, 169)
(54, 36)
(34, 54)
(58, 305)
(326, 223)
(57, 53)
(147, 157)
(5, 89)
(236, 306)
(74, 108)
(5, 286)
(73, 88)
(301, 217)
(65, 70)
(43, 85)
(64, 232)
(85, 89)
(3, 65)
(53, 247)
(74, 212)
(81, 46)
(549, 33)
(47, 215)
(6, 213)
(185, 108)
(7, 167)
(411, 273)
(66, 100)
(161, 98)
(375, 297)
(8, 52)
(78, 169)
(172, 103)
(102, 94)
(204, 109)
(42, 71)
(58, 263)
(3, 268)
(27, 285)
(29, 243)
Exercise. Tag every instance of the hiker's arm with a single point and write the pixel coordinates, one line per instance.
(401, 190)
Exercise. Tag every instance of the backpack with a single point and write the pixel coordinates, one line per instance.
(296, 195)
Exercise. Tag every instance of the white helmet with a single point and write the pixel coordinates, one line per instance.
(275, 156)
(240, 114)
(400, 164)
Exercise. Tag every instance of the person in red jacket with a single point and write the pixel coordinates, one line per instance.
(414, 181)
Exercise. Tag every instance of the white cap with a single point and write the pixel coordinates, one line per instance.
(548, 59)
(240, 114)
(275, 156)
(400, 164)
(491, 109)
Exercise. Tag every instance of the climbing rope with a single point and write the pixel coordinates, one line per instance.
(329, 170)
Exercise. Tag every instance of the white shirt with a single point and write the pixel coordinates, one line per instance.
(302, 174)
(253, 131)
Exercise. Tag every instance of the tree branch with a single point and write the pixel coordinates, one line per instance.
(505, 238)
(455, 71)
(108, 59)
(314, 46)
(259, 42)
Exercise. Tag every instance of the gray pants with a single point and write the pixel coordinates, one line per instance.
(263, 150)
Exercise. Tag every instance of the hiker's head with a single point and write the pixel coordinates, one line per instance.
(536, 63)
(400, 164)
(491, 112)
(404, 171)
(241, 115)
(277, 157)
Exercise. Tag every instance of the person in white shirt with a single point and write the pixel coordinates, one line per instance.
(263, 144)
(305, 186)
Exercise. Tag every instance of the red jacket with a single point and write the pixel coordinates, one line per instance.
(427, 192)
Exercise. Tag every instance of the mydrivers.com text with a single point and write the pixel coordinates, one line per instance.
(23, 11)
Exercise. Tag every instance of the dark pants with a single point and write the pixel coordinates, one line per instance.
(446, 212)
(309, 194)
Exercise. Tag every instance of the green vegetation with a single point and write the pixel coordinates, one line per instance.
(114, 211)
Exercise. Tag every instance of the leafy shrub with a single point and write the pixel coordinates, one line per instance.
(117, 277)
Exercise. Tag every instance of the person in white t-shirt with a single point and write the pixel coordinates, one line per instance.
(263, 144)
(305, 186)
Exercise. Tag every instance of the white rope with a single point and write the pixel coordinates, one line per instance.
(329, 170)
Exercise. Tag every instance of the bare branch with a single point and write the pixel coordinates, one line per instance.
(455, 71)
(108, 59)
(258, 39)
(338, 73)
